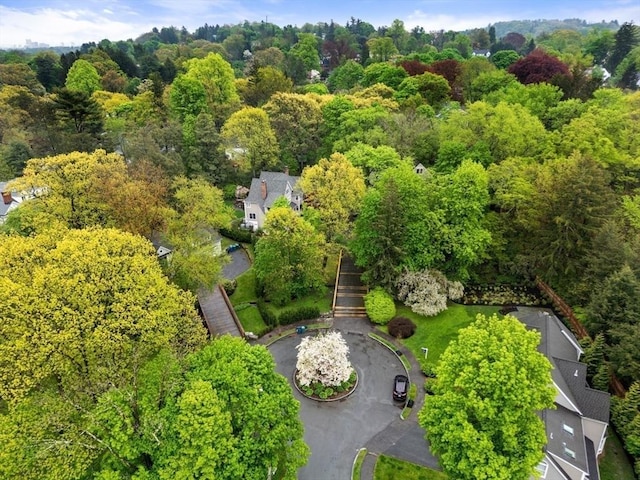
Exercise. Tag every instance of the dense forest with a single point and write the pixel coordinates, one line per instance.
(491, 156)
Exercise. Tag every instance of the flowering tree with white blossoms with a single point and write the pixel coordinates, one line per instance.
(324, 359)
(426, 291)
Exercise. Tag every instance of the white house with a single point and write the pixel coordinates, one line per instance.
(264, 191)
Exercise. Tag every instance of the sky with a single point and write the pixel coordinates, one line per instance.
(74, 22)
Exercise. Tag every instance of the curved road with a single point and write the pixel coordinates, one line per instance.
(335, 431)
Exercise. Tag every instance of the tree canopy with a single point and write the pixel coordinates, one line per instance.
(482, 420)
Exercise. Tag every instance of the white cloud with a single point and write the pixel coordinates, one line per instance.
(434, 22)
(68, 27)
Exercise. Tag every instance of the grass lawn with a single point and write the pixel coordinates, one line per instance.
(246, 289)
(615, 464)
(389, 468)
(251, 320)
(435, 333)
(357, 464)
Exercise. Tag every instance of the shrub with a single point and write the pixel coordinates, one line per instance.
(229, 286)
(426, 291)
(428, 385)
(293, 315)
(268, 316)
(379, 306)
(237, 234)
(401, 327)
(427, 368)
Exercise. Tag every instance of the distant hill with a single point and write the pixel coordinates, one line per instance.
(533, 28)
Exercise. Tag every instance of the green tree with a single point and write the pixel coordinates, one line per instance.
(462, 200)
(396, 228)
(626, 38)
(346, 76)
(177, 419)
(266, 82)
(334, 188)
(381, 49)
(216, 76)
(249, 132)
(482, 421)
(306, 51)
(83, 77)
(384, 73)
(434, 89)
(503, 59)
(102, 308)
(187, 97)
(199, 210)
(289, 256)
(296, 121)
(48, 69)
(374, 160)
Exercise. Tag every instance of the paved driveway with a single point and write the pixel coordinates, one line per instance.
(335, 431)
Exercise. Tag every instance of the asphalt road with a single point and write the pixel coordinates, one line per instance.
(335, 431)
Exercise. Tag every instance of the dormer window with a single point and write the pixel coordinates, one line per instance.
(569, 453)
(542, 469)
(567, 429)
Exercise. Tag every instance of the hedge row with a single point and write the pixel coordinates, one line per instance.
(238, 234)
(286, 317)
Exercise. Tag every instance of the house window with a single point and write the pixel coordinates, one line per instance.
(252, 216)
(567, 429)
(419, 171)
(569, 453)
(542, 469)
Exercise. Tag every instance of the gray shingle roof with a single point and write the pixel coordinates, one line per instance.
(592, 403)
(560, 442)
(276, 186)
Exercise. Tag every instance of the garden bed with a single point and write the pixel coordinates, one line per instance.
(321, 393)
(502, 294)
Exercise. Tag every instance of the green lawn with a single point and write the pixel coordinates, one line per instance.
(246, 289)
(615, 464)
(389, 468)
(251, 320)
(435, 333)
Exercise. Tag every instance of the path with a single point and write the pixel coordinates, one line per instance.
(218, 313)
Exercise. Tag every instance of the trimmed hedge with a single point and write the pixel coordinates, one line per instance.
(380, 306)
(269, 318)
(293, 315)
(286, 317)
(237, 234)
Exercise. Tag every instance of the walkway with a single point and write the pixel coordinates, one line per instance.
(348, 298)
(218, 313)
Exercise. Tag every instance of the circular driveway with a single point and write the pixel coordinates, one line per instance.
(335, 431)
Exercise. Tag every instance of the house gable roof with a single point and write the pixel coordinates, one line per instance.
(592, 403)
(276, 187)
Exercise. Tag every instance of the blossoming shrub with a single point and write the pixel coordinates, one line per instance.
(323, 359)
(426, 292)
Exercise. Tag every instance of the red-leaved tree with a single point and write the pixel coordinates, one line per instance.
(538, 67)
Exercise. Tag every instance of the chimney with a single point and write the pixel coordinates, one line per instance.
(7, 198)
(286, 170)
(263, 189)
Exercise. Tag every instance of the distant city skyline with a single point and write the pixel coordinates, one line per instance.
(74, 22)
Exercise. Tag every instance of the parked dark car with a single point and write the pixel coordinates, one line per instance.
(400, 388)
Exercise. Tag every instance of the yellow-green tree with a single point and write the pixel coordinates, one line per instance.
(335, 189)
(251, 139)
(483, 419)
(83, 77)
(84, 309)
(216, 76)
